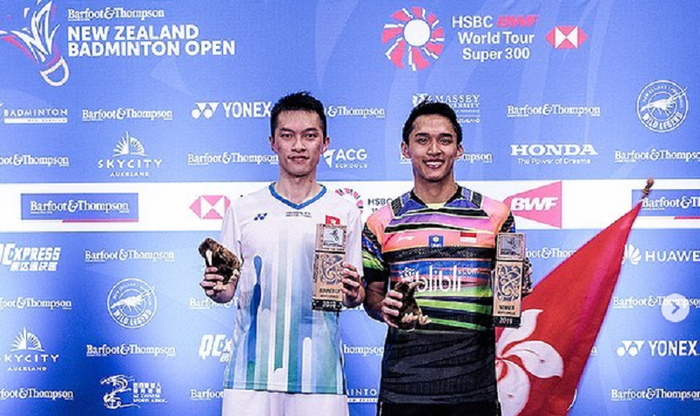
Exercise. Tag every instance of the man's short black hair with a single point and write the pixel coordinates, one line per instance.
(426, 108)
(298, 101)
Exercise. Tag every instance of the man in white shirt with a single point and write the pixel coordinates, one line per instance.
(286, 356)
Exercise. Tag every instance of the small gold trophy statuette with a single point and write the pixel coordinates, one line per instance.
(508, 278)
(329, 256)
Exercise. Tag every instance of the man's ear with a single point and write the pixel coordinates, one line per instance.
(460, 151)
(404, 150)
(325, 144)
(273, 144)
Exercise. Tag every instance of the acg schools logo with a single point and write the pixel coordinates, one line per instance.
(416, 38)
(346, 158)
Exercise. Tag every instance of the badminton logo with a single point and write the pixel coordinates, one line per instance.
(415, 37)
(34, 36)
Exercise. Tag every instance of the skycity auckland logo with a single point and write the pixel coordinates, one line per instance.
(129, 159)
(27, 354)
(662, 106)
(416, 38)
(34, 36)
(211, 207)
(566, 37)
(132, 303)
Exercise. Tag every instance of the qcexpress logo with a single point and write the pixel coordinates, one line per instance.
(415, 38)
(33, 34)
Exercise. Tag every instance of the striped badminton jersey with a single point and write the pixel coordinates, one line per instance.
(449, 251)
(279, 342)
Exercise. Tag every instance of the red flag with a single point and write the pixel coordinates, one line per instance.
(540, 364)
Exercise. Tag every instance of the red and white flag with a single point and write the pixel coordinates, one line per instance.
(539, 365)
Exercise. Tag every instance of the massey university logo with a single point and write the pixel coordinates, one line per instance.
(416, 38)
(34, 36)
(662, 106)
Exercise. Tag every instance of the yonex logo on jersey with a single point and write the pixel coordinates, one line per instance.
(260, 217)
(436, 241)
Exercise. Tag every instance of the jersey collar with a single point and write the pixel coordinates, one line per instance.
(292, 204)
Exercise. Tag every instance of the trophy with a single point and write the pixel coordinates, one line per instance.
(226, 263)
(329, 255)
(508, 278)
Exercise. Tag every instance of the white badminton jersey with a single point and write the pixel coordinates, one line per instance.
(279, 342)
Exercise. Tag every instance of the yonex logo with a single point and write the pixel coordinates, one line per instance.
(260, 217)
(631, 348)
(206, 109)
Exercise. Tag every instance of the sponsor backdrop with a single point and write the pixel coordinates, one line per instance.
(127, 128)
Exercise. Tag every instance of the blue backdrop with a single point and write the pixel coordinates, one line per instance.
(127, 128)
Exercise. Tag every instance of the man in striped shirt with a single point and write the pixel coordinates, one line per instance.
(442, 237)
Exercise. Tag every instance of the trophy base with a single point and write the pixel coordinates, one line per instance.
(326, 305)
(507, 321)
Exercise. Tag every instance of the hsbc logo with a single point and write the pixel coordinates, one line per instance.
(566, 37)
(210, 207)
(345, 158)
(232, 109)
(541, 204)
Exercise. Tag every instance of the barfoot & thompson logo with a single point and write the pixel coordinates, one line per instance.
(662, 106)
(132, 303)
(416, 38)
(33, 34)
